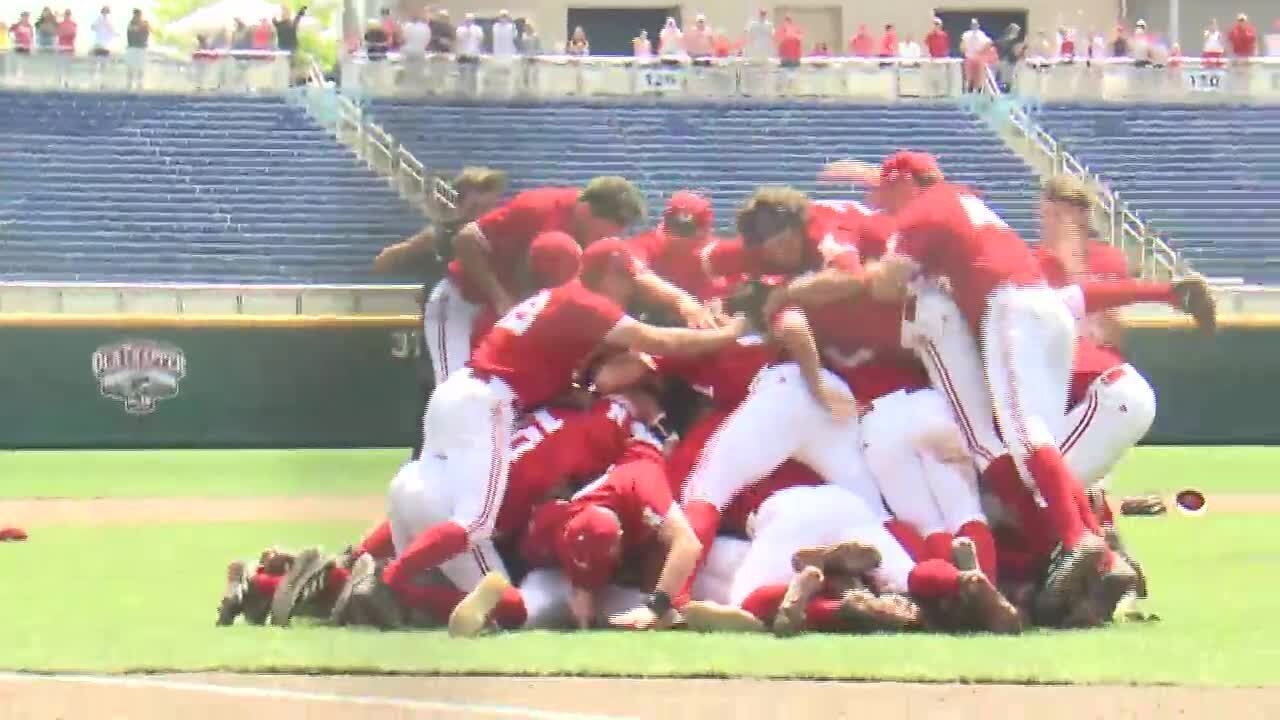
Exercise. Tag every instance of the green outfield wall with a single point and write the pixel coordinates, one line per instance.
(331, 384)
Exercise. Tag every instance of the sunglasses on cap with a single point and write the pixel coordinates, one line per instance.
(680, 224)
(765, 222)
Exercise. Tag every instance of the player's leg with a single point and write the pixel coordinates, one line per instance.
(546, 599)
(1114, 415)
(833, 449)
(714, 580)
(447, 322)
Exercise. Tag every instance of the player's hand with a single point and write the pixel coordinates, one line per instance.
(696, 316)
(889, 279)
(642, 618)
(582, 605)
(841, 405)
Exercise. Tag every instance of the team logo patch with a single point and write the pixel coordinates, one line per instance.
(139, 373)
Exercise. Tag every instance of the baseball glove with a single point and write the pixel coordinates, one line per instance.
(749, 299)
(1195, 300)
(1146, 505)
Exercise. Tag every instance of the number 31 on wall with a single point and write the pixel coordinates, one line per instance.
(1205, 80)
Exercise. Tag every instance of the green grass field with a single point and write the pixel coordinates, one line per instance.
(126, 597)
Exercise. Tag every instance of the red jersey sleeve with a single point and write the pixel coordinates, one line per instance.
(919, 235)
(511, 226)
(1107, 262)
(833, 239)
(725, 258)
(873, 237)
(590, 314)
(646, 247)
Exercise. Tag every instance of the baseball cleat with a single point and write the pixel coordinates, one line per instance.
(1121, 580)
(847, 558)
(1069, 575)
(996, 613)
(812, 556)
(363, 569)
(707, 616)
(305, 578)
(790, 619)
(888, 612)
(964, 554)
(471, 616)
(233, 596)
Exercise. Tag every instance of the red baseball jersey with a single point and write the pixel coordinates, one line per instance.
(536, 347)
(553, 445)
(510, 228)
(677, 260)
(788, 475)
(724, 376)
(830, 240)
(1093, 357)
(949, 232)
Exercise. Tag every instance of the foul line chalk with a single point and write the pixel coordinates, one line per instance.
(303, 696)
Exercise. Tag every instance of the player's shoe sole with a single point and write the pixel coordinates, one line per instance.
(846, 558)
(471, 616)
(308, 564)
(1068, 577)
(705, 616)
(233, 596)
(871, 613)
(790, 619)
(964, 554)
(997, 613)
(361, 571)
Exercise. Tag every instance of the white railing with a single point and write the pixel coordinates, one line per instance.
(136, 70)
(1183, 79)
(206, 299)
(844, 79)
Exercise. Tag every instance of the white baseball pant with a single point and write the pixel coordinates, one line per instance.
(778, 420)
(546, 594)
(1114, 415)
(422, 495)
(447, 322)
(939, 334)
(815, 515)
(714, 580)
(920, 461)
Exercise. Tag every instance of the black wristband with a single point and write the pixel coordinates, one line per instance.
(659, 602)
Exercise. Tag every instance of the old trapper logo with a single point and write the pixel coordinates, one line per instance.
(139, 373)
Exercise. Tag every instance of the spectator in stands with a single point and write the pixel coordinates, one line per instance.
(1120, 43)
(889, 42)
(862, 44)
(4, 42)
(759, 42)
(530, 43)
(1066, 45)
(1213, 46)
(23, 34)
(1009, 51)
(241, 35)
(641, 45)
(392, 28)
(104, 33)
(468, 40)
(974, 40)
(263, 35)
(721, 45)
(670, 39)
(578, 46)
(937, 41)
(504, 35)
(66, 34)
(46, 29)
(698, 40)
(909, 49)
(287, 28)
(376, 41)
(790, 43)
(137, 37)
(443, 32)
(1097, 46)
(1243, 38)
(1140, 45)
(417, 36)
(1273, 40)
(820, 50)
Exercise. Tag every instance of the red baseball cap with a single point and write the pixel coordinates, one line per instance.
(907, 163)
(687, 212)
(588, 547)
(607, 254)
(554, 258)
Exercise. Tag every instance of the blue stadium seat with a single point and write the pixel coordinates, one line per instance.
(1205, 177)
(724, 150)
(185, 189)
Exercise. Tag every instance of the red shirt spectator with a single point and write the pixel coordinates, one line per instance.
(721, 47)
(262, 35)
(790, 42)
(889, 42)
(937, 41)
(66, 34)
(861, 44)
(24, 34)
(1067, 49)
(1243, 37)
(821, 50)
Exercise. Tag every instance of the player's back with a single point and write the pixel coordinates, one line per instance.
(725, 375)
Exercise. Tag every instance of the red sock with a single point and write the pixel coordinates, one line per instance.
(763, 602)
(704, 519)
(430, 548)
(1001, 479)
(438, 600)
(937, 546)
(1107, 294)
(1107, 518)
(1057, 486)
(933, 579)
(510, 612)
(1019, 564)
(1087, 515)
(984, 543)
(824, 614)
(908, 537)
(265, 584)
(333, 583)
(378, 542)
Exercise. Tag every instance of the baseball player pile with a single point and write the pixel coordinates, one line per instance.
(901, 418)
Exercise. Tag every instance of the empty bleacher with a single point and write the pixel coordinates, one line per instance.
(1207, 178)
(118, 188)
(725, 151)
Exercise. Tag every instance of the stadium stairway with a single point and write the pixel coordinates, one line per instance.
(1205, 178)
(725, 151)
(119, 188)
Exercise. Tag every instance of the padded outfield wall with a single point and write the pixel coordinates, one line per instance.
(343, 382)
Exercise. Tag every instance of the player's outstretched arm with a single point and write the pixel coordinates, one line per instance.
(655, 340)
(393, 257)
(888, 279)
(796, 337)
(817, 288)
(683, 551)
(659, 291)
(620, 373)
(472, 249)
